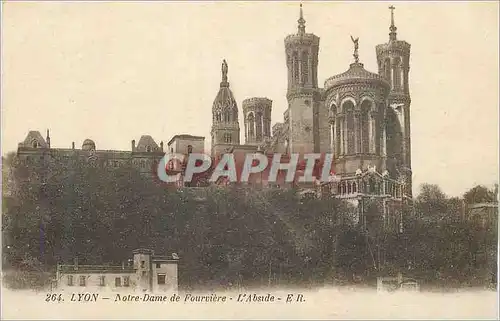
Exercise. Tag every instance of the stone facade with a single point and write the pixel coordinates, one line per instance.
(186, 144)
(362, 117)
(142, 156)
(145, 272)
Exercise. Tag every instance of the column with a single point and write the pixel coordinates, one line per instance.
(402, 79)
(344, 134)
(335, 139)
(262, 127)
(384, 141)
(357, 139)
(373, 133)
(392, 80)
(370, 132)
(339, 120)
(332, 136)
(309, 65)
(254, 129)
(402, 121)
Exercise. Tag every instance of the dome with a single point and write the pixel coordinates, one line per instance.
(224, 99)
(88, 144)
(356, 74)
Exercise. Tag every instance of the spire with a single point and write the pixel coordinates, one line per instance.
(302, 22)
(392, 28)
(224, 82)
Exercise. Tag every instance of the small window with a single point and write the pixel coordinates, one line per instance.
(35, 144)
(115, 163)
(190, 149)
(148, 149)
(70, 280)
(158, 265)
(118, 281)
(82, 280)
(143, 263)
(171, 149)
(161, 278)
(126, 281)
(102, 280)
(143, 273)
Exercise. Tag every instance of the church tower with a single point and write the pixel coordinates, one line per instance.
(303, 95)
(257, 120)
(225, 126)
(393, 60)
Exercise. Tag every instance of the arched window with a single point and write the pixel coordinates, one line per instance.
(148, 149)
(304, 67)
(227, 138)
(190, 149)
(251, 125)
(387, 69)
(348, 108)
(227, 116)
(258, 126)
(35, 144)
(365, 126)
(396, 78)
(295, 67)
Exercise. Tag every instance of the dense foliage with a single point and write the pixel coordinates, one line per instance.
(54, 213)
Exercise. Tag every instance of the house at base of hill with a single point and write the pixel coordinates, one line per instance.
(144, 272)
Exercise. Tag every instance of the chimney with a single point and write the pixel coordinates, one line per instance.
(73, 145)
(133, 145)
(48, 138)
(161, 145)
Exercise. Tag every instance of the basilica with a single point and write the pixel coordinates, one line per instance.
(361, 117)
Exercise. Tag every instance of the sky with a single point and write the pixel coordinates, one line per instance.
(113, 71)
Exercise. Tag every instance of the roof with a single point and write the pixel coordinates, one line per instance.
(98, 269)
(224, 99)
(34, 135)
(185, 136)
(144, 142)
(355, 74)
(88, 144)
(257, 102)
(162, 258)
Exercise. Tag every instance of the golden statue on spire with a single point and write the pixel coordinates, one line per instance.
(356, 46)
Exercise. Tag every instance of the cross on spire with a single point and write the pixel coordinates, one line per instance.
(302, 22)
(392, 28)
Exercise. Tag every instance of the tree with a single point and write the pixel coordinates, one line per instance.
(431, 203)
(480, 194)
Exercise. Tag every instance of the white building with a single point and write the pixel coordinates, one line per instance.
(148, 272)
